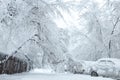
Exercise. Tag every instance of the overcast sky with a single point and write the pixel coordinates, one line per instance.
(72, 20)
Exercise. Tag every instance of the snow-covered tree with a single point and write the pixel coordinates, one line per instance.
(27, 28)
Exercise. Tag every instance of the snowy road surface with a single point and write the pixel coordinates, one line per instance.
(42, 76)
(47, 74)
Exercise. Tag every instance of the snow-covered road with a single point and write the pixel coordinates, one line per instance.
(42, 76)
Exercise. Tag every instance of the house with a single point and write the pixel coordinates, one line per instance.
(13, 64)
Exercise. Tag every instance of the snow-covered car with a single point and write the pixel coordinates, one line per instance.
(74, 66)
(106, 67)
(87, 66)
(78, 68)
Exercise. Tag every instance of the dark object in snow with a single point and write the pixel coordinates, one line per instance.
(93, 73)
(13, 64)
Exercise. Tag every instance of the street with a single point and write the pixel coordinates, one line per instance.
(53, 76)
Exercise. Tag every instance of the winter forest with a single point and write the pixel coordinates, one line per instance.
(52, 33)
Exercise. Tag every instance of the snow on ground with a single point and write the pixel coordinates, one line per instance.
(39, 74)
(47, 71)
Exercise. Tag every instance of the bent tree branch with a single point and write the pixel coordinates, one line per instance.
(16, 51)
(113, 30)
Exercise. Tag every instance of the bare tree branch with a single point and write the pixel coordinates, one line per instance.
(110, 41)
(114, 25)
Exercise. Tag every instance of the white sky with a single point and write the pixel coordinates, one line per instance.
(71, 0)
(71, 20)
(99, 1)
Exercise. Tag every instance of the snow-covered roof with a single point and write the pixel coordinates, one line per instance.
(18, 55)
(115, 60)
(112, 59)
